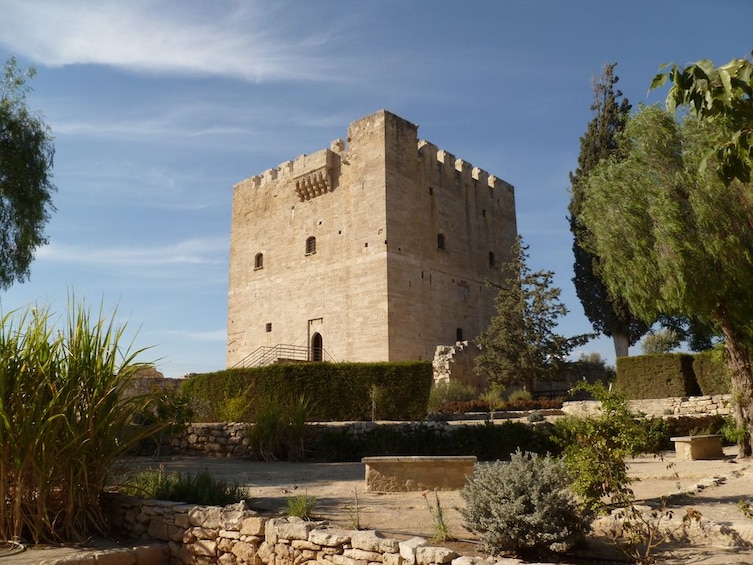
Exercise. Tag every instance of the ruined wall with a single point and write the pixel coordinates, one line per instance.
(378, 286)
(455, 363)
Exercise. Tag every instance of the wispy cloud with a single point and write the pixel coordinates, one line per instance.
(236, 39)
(206, 251)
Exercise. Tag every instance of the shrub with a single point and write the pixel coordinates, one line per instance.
(712, 372)
(339, 391)
(487, 441)
(301, 506)
(279, 429)
(595, 448)
(200, 488)
(519, 394)
(656, 376)
(447, 392)
(64, 421)
(235, 409)
(522, 505)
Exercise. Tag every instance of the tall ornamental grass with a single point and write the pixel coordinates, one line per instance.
(64, 421)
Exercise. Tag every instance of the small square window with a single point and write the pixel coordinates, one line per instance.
(269, 327)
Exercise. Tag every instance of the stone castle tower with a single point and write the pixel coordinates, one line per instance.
(377, 249)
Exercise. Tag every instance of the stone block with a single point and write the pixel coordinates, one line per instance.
(688, 448)
(416, 473)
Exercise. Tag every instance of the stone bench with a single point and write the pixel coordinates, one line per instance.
(412, 473)
(688, 448)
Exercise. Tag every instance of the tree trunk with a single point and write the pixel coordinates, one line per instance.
(741, 369)
(621, 344)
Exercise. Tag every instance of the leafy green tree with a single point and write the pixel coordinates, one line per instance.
(607, 313)
(26, 154)
(718, 93)
(521, 344)
(675, 239)
(663, 340)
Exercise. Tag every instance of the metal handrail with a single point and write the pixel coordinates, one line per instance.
(268, 355)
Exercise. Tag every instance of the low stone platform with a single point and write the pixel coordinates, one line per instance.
(689, 448)
(415, 473)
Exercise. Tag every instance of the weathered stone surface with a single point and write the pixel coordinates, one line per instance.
(342, 560)
(362, 555)
(244, 551)
(329, 537)
(370, 540)
(382, 191)
(406, 473)
(288, 528)
(205, 516)
(408, 548)
(253, 526)
(392, 559)
(427, 555)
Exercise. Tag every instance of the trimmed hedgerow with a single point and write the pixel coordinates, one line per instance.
(488, 441)
(337, 391)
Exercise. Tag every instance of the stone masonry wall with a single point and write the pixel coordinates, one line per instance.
(221, 439)
(236, 535)
(718, 405)
(376, 284)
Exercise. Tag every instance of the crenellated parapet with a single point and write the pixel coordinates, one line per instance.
(462, 169)
(309, 175)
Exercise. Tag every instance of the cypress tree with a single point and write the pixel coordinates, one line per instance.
(609, 315)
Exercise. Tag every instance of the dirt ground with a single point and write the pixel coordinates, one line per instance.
(711, 487)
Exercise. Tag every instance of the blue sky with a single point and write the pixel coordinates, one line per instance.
(159, 107)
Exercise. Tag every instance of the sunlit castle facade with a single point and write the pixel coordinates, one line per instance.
(376, 249)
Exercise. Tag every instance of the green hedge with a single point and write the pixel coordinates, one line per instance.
(656, 376)
(712, 373)
(487, 441)
(335, 391)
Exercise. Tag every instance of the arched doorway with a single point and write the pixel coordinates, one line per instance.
(316, 347)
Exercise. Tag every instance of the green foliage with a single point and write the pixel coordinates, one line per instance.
(521, 344)
(443, 393)
(519, 394)
(675, 239)
(26, 156)
(656, 376)
(522, 505)
(167, 412)
(663, 340)
(200, 488)
(746, 507)
(493, 398)
(235, 409)
(488, 441)
(723, 93)
(711, 372)
(64, 421)
(731, 431)
(279, 428)
(608, 313)
(302, 506)
(337, 391)
(441, 528)
(595, 448)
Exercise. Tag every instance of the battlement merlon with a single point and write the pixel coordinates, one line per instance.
(429, 151)
(322, 160)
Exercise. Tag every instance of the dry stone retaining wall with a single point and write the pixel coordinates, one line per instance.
(718, 405)
(221, 439)
(236, 535)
